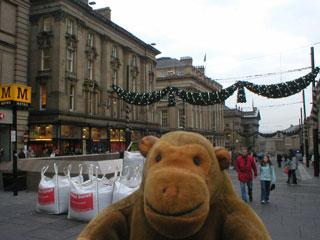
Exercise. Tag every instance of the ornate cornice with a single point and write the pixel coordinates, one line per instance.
(81, 24)
(59, 15)
(115, 63)
(44, 39)
(34, 19)
(91, 53)
(134, 71)
(43, 77)
(71, 41)
(105, 37)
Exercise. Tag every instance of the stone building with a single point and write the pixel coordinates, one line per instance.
(76, 54)
(240, 128)
(206, 120)
(281, 143)
(14, 35)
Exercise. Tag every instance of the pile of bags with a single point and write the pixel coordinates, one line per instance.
(83, 200)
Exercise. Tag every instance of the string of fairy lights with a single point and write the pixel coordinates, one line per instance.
(270, 135)
(279, 90)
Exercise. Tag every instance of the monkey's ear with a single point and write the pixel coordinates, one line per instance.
(223, 157)
(146, 144)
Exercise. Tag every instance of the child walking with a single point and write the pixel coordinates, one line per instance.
(267, 177)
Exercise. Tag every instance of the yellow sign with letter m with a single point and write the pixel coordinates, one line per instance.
(16, 93)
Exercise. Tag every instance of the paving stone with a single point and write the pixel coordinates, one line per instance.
(294, 213)
(49, 234)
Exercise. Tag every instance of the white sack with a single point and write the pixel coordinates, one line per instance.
(53, 193)
(89, 198)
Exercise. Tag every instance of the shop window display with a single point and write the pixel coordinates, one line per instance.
(117, 140)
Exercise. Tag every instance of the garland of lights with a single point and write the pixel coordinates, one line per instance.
(269, 135)
(279, 90)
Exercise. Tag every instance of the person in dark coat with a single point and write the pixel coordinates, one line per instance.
(244, 166)
(279, 159)
(21, 154)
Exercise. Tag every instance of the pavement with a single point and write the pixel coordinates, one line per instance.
(293, 213)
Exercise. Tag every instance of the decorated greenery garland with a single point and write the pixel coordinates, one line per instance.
(269, 135)
(278, 90)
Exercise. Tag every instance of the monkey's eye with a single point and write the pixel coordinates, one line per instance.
(158, 158)
(196, 161)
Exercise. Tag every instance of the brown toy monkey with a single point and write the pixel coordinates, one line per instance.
(185, 194)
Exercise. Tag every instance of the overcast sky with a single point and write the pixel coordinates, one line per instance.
(239, 37)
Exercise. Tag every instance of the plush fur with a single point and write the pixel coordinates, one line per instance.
(185, 194)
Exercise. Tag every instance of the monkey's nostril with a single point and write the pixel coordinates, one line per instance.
(164, 190)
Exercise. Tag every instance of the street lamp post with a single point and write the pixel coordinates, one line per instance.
(127, 130)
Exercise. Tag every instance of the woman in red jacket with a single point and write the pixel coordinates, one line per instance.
(244, 166)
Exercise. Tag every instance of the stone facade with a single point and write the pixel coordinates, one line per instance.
(239, 123)
(206, 120)
(280, 143)
(76, 54)
(14, 36)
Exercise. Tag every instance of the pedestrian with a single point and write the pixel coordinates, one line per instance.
(31, 153)
(46, 153)
(267, 178)
(1, 153)
(279, 159)
(21, 153)
(244, 167)
(53, 154)
(292, 164)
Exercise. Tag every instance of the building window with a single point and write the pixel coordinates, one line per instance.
(70, 27)
(181, 118)
(134, 84)
(91, 40)
(47, 24)
(170, 73)
(134, 60)
(90, 103)
(71, 98)
(134, 112)
(114, 52)
(181, 72)
(43, 97)
(164, 117)
(70, 58)
(163, 74)
(115, 108)
(114, 77)
(45, 59)
(90, 69)
(96, 102)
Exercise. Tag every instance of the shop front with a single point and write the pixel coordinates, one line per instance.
(75, 138)
(5, 127)
(117, 140)
(43, 139)
(67, 139)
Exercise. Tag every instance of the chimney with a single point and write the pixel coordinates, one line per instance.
(105, 12)
(186, 60)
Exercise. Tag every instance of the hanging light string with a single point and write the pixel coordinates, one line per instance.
(232, 79)
(280, 90)
(269, 135)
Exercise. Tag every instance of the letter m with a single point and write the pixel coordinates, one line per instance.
(6, 94)
(22, 95)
